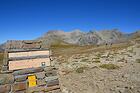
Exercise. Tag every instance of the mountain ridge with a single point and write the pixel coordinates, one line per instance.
(85, 38)
(78, 37)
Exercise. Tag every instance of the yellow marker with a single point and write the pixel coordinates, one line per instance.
(32, 80)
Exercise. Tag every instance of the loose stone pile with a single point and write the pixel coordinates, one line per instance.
(17, 81)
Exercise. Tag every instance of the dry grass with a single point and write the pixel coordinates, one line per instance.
(68, 50)
(84, 60)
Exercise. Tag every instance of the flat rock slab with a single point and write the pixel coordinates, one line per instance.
(20, 78)
(53, 83)
(5, 88)
(27, 71)
(19, 86)
(51, 78)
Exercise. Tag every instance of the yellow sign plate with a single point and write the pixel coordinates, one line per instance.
(32, 80)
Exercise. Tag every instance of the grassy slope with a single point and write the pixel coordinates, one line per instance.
(68, 50)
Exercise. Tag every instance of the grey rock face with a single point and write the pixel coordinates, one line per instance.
(83, 38)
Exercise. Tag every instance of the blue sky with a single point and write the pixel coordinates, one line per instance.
(29, 19)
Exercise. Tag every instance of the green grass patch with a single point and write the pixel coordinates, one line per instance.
(84, 60)
(109, 66)
(96, 61)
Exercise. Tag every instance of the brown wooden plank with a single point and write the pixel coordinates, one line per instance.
(30, 53)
